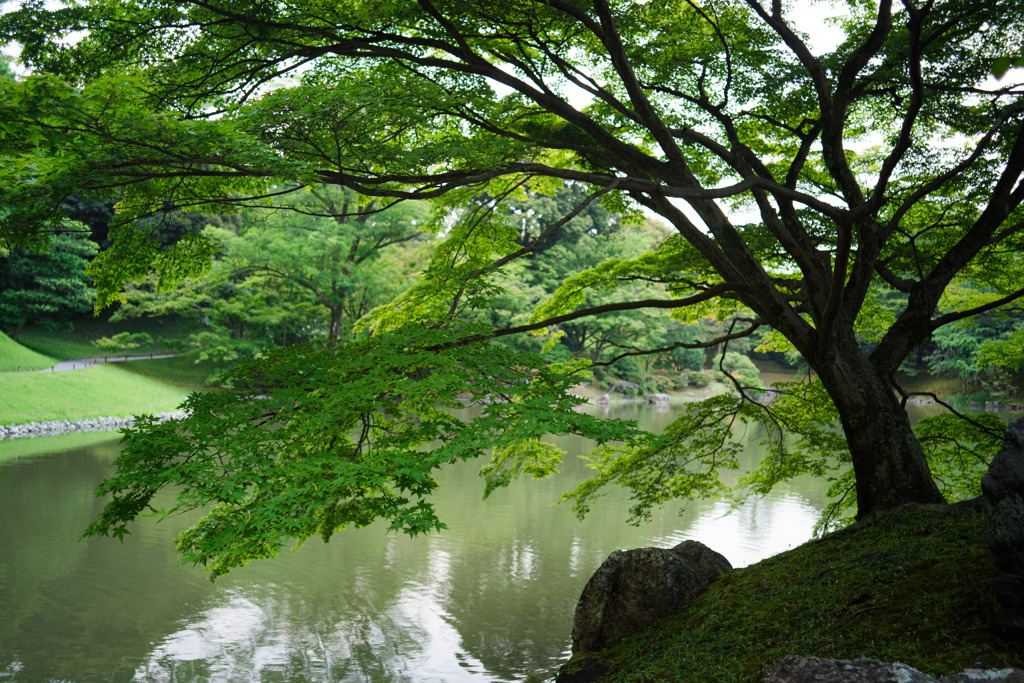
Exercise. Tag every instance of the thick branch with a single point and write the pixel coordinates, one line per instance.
(719, 290)
(909, 117)
(707, 344)
(970, 312)
(641, 104)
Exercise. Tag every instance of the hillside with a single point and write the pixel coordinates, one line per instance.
(14, 356)
(913, 586)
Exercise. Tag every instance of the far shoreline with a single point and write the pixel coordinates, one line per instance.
(89, 424)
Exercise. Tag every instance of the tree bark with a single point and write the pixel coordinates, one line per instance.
(19, 328)
(337, 313)
(888, 461)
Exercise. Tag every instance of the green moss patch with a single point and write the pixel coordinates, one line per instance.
(914, 586)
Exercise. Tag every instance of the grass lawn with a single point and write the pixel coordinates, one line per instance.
(102, 390)
(180, 371)
(53, 345)
(116, 389)
(77, 342)
(14, 356)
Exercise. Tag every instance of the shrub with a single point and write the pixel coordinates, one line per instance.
(123, 341)
(699, 380)
(660, 381)
(649, 385)
(742, 368)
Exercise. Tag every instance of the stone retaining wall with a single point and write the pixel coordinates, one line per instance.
(55, 427)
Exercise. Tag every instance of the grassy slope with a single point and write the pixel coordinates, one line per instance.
(76, 342)
(51, 344)
(14, 356)
(114, 390)
(181, 371)
(99, 390)
(914, 586)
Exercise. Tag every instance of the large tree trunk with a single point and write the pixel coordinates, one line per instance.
(888, 461)
(19, 328)
(337, 314)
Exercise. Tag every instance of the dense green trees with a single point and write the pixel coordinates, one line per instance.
(291, 274)
(802, 184)
(47, 288)
(560, 249)
(332, 249)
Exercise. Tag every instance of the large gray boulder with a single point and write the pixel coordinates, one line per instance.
(1003, 487)
(634, 588)
(797, 669)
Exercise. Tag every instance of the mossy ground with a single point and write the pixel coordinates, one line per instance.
(914, 586)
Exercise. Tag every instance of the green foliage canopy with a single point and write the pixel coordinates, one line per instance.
(314, 438)
(48, 288)
(889, 164)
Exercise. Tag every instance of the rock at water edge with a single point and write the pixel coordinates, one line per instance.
(634, 588)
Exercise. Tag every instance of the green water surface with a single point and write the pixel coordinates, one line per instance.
(490, 599)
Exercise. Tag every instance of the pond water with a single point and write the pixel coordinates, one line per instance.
(490, 599)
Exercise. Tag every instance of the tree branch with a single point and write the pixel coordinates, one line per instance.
(719, 290)
(707, 344)
(966, 418)
(992, 305)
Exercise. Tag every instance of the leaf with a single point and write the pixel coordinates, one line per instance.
(1003, 64)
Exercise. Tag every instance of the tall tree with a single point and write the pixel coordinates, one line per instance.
(46, 288)
(284, 276)
(331, 247)
(890, 162)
